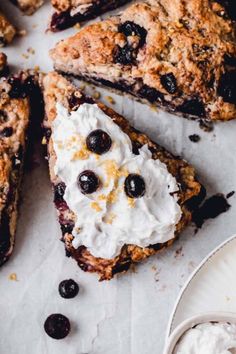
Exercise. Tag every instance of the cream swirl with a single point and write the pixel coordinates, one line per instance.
(107, 219)
(208, 338)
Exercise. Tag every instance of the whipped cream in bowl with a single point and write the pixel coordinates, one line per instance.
(211, 333)
(108, 218)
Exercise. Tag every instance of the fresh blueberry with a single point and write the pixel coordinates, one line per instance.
(57, 326)
(134, 186)
(88, 182)
(98, 141)
(68, 288)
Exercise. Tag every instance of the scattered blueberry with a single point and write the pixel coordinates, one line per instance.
(68, 289)
(88, 182)
(98, 141)
(57, 326)
(169, 83)
(227, 87)
(134, 186)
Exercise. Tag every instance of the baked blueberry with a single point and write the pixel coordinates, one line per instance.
(98, 141)
(68, 289)
(130, 28)
(59, 191)
(60, 21)
(150, 93)
(17, 88)
(57, 326)
(193, 107)
(125, 55)
(6, 132)
(227, 87)
(88, 182)
(134, 186)
(169, 83)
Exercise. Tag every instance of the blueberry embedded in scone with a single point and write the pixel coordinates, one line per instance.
(115, 207)
(159, 52)
(20, 100)
(68, 13)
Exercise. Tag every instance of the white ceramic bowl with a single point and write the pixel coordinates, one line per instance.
(193, 321)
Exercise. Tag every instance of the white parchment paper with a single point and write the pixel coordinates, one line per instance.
(130, 313)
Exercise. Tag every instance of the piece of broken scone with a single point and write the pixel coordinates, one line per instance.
(120, 197)
(70, 12)
(7, 31)
(159, 52)
(28, 6)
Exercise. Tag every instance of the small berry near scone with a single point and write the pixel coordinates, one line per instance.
(57, 326)
(68, 288)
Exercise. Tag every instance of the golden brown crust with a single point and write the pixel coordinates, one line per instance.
(58, 89)
(14, 120)
(188, 39)
(7, 31)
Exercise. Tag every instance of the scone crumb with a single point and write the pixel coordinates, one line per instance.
(110, 218)
(37, 68)
(44, 141)
(131, 202)
(110, 99)
(96, 95)
(13, 277)
(77, 26)
(31, 50)
(22, 33)
(95, 206)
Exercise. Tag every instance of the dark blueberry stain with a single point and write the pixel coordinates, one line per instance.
(195, 138)
(210, 209)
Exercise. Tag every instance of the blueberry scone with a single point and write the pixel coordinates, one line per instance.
(28, 6)
(120, 197)
(179, 55)
(70, 12)
(14, 121)
(7, 31)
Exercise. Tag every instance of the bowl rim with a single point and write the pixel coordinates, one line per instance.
(206, 259)
(194, 321)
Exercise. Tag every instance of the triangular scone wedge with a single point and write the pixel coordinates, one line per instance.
(64, 104)
(7, 31)
(179, 55)
(68, 13)
(28, 6)
(14, 123)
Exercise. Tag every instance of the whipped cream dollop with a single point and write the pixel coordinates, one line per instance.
(108, 219)
(208, 338)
